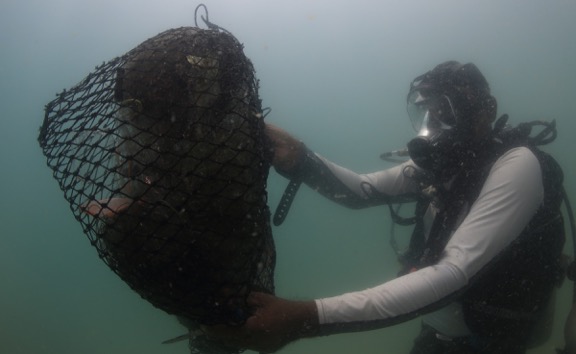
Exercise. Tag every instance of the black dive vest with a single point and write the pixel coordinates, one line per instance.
(504, 298)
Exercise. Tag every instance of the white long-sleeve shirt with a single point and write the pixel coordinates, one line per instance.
(509, 198)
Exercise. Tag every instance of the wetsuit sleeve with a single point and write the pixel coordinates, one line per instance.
(355, 190)
(509, 198)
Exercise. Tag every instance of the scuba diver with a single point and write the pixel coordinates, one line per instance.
(484, 256)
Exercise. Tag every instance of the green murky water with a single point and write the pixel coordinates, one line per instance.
(335, 74)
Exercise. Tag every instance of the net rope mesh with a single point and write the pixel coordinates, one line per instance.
(162, 155)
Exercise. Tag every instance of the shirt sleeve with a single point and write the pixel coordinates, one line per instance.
(355, 190)
(509, 198)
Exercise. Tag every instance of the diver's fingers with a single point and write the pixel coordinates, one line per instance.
(106, 207)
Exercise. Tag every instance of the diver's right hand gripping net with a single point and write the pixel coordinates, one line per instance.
(162, 155)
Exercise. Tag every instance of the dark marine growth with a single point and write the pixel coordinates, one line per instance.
(162, 155)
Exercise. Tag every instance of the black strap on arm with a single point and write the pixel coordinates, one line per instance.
(286, 201)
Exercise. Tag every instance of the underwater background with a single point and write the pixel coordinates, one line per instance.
(336, 75)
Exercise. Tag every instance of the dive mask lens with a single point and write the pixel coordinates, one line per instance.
(417, 110)
(430, 113)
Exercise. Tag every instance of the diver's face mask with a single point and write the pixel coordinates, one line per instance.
(430, 113)
(438, 142)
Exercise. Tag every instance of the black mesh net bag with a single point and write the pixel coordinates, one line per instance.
(162, 155)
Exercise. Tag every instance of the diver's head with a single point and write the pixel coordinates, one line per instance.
(452, 110)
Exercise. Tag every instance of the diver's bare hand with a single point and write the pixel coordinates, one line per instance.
(288, 150)
(275, 323)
